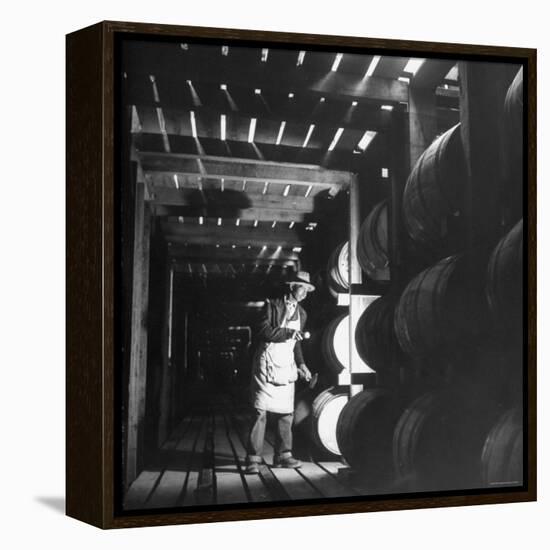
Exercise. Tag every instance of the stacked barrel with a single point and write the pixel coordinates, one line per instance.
(337, 270)
(455, 327)
(512, 192)
(317, 409)
(372, 244)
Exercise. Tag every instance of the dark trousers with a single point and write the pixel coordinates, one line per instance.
(283, 434)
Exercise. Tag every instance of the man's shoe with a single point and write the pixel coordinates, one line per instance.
(252, 468)
(286, 461)
(253, 464)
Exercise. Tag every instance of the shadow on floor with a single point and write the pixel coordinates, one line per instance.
(57, 504)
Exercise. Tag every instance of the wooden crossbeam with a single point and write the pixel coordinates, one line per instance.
(333, 116)
(250, 262)
(215, 202)
(221, 268)
(238, 236)
(230, 270)
(325, 83)
(341, 158)
(250, 170)
(231, 254)
(248, 214)
(266, 129)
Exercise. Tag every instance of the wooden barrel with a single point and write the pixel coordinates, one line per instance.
(439, 438)
(512, 185)
(513, 112)
(338, 269)
(504, 286)
(375, 336)
(365, 432)
(304, 400)
(502, 456)
(326, 409)
(442, 307)
(335, 344)
(433, 190)
(372, 243)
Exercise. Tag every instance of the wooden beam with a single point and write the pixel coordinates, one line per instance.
(401, 146)
(210, 236)
(341, 157)
(248, 214)
(167, 366)
(422, 121)
(246, 169)
(332, 114)
(222, 266)
(483, 90)
(230, 270)
(325, 83)
(230, 254)
(138, 346)
(232, 204)
(252, 235)
(338, 85)
(207, 127)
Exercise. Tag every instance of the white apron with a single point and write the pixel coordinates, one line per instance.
(274, 374)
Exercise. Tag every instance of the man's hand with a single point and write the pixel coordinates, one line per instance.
(304, 372)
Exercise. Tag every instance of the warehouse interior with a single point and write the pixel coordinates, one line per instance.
(398, 184)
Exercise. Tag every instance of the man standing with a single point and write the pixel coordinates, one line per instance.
(277, 363)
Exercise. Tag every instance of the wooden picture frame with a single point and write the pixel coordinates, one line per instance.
(98, 430)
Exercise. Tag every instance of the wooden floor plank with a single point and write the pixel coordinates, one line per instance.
(229, 482)
(276, 490)
(177, 434)
(168, 490)
(140, 489)
(188, 438)
(234, 438)
(205, 493)
(294, 484)
(324, 482)
(333, 467)
(190, 496)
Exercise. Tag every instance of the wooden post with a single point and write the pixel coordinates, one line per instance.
(407, 141)
(357, 303)
(422, 121)
(399, 172)
(482, 93)
(185, 339)
(166, 376)
(138, 335)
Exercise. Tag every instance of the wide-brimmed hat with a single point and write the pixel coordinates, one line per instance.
(301, 278)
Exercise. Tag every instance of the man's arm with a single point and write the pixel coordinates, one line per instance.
(303, 371)
(298, 353)
(266, 330)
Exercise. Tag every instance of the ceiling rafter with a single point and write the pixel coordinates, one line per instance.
(230, 236)
(250, 170)
(177, 123)
(235, 202)
(341, 158)
(332, 113)
(232, 254)
(335, 85)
